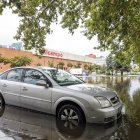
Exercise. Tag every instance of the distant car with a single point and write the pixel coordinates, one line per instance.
(60, 93)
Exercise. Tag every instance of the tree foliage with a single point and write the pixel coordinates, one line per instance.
(121, 63)
(60, 65)
(51, 64)
(92, 68)
(4, 60)
(86, 66)
(78, 65)
(16, 61)
(38, 64)
(110, 64)
(115, 22)
(70, 65)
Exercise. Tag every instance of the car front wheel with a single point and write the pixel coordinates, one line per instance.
(70, 113)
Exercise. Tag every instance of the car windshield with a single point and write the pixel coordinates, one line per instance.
(62, 77)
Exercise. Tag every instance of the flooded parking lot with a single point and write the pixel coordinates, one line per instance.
(22, 124)
(16, 123)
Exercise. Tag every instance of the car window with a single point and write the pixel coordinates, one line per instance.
(32, 76)
(14, 75)
(3, 76)
(63, 78)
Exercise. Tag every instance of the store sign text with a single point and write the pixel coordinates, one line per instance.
(54, 54)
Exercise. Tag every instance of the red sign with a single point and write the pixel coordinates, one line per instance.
(52, 53)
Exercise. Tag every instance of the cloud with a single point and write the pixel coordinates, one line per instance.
(60, 39)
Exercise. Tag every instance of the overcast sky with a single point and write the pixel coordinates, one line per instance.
(60, 39)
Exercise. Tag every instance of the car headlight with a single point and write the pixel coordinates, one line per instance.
(103, 102)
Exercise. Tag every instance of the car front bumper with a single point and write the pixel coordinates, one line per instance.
(104, 115)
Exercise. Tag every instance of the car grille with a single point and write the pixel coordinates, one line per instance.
(114, 100)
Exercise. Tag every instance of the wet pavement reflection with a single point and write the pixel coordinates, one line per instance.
(22, 124)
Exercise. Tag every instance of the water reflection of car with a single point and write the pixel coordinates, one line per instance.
(17, 123)
(60, 93)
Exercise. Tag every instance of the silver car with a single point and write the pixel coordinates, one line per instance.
(60, 93)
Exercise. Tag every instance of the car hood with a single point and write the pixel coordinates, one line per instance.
(93, 90)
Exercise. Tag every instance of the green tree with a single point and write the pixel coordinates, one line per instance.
(90, 68)
(93, 68)
(38, 64)
(123, 59)
(135, 69)
(70, 65)
(61, 65)
(18, 61)
(103, 69)
(110, 64)
(4, 60)
(97, 68)
(78, 65)
(51, 64)
(119, 62)
(86, 66)
(115, 22)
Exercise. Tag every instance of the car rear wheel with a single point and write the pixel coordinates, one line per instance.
(70, 114)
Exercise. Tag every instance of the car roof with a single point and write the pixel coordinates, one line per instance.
(34, 67)
(30, 67)
(43, 67)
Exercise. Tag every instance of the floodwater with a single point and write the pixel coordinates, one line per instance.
(22, 124)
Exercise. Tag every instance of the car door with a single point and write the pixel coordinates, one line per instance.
(11, 86)
(35, 96)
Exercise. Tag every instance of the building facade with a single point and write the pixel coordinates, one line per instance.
(50, 56)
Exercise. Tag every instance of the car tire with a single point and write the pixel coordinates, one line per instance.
(68, 129)
(71, 113)
(2, 105)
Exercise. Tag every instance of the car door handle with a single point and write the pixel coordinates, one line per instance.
(4, 85)
(24, 88)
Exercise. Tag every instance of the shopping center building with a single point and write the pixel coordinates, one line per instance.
(50, 56)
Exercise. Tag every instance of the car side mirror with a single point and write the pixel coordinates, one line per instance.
(42, 83)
